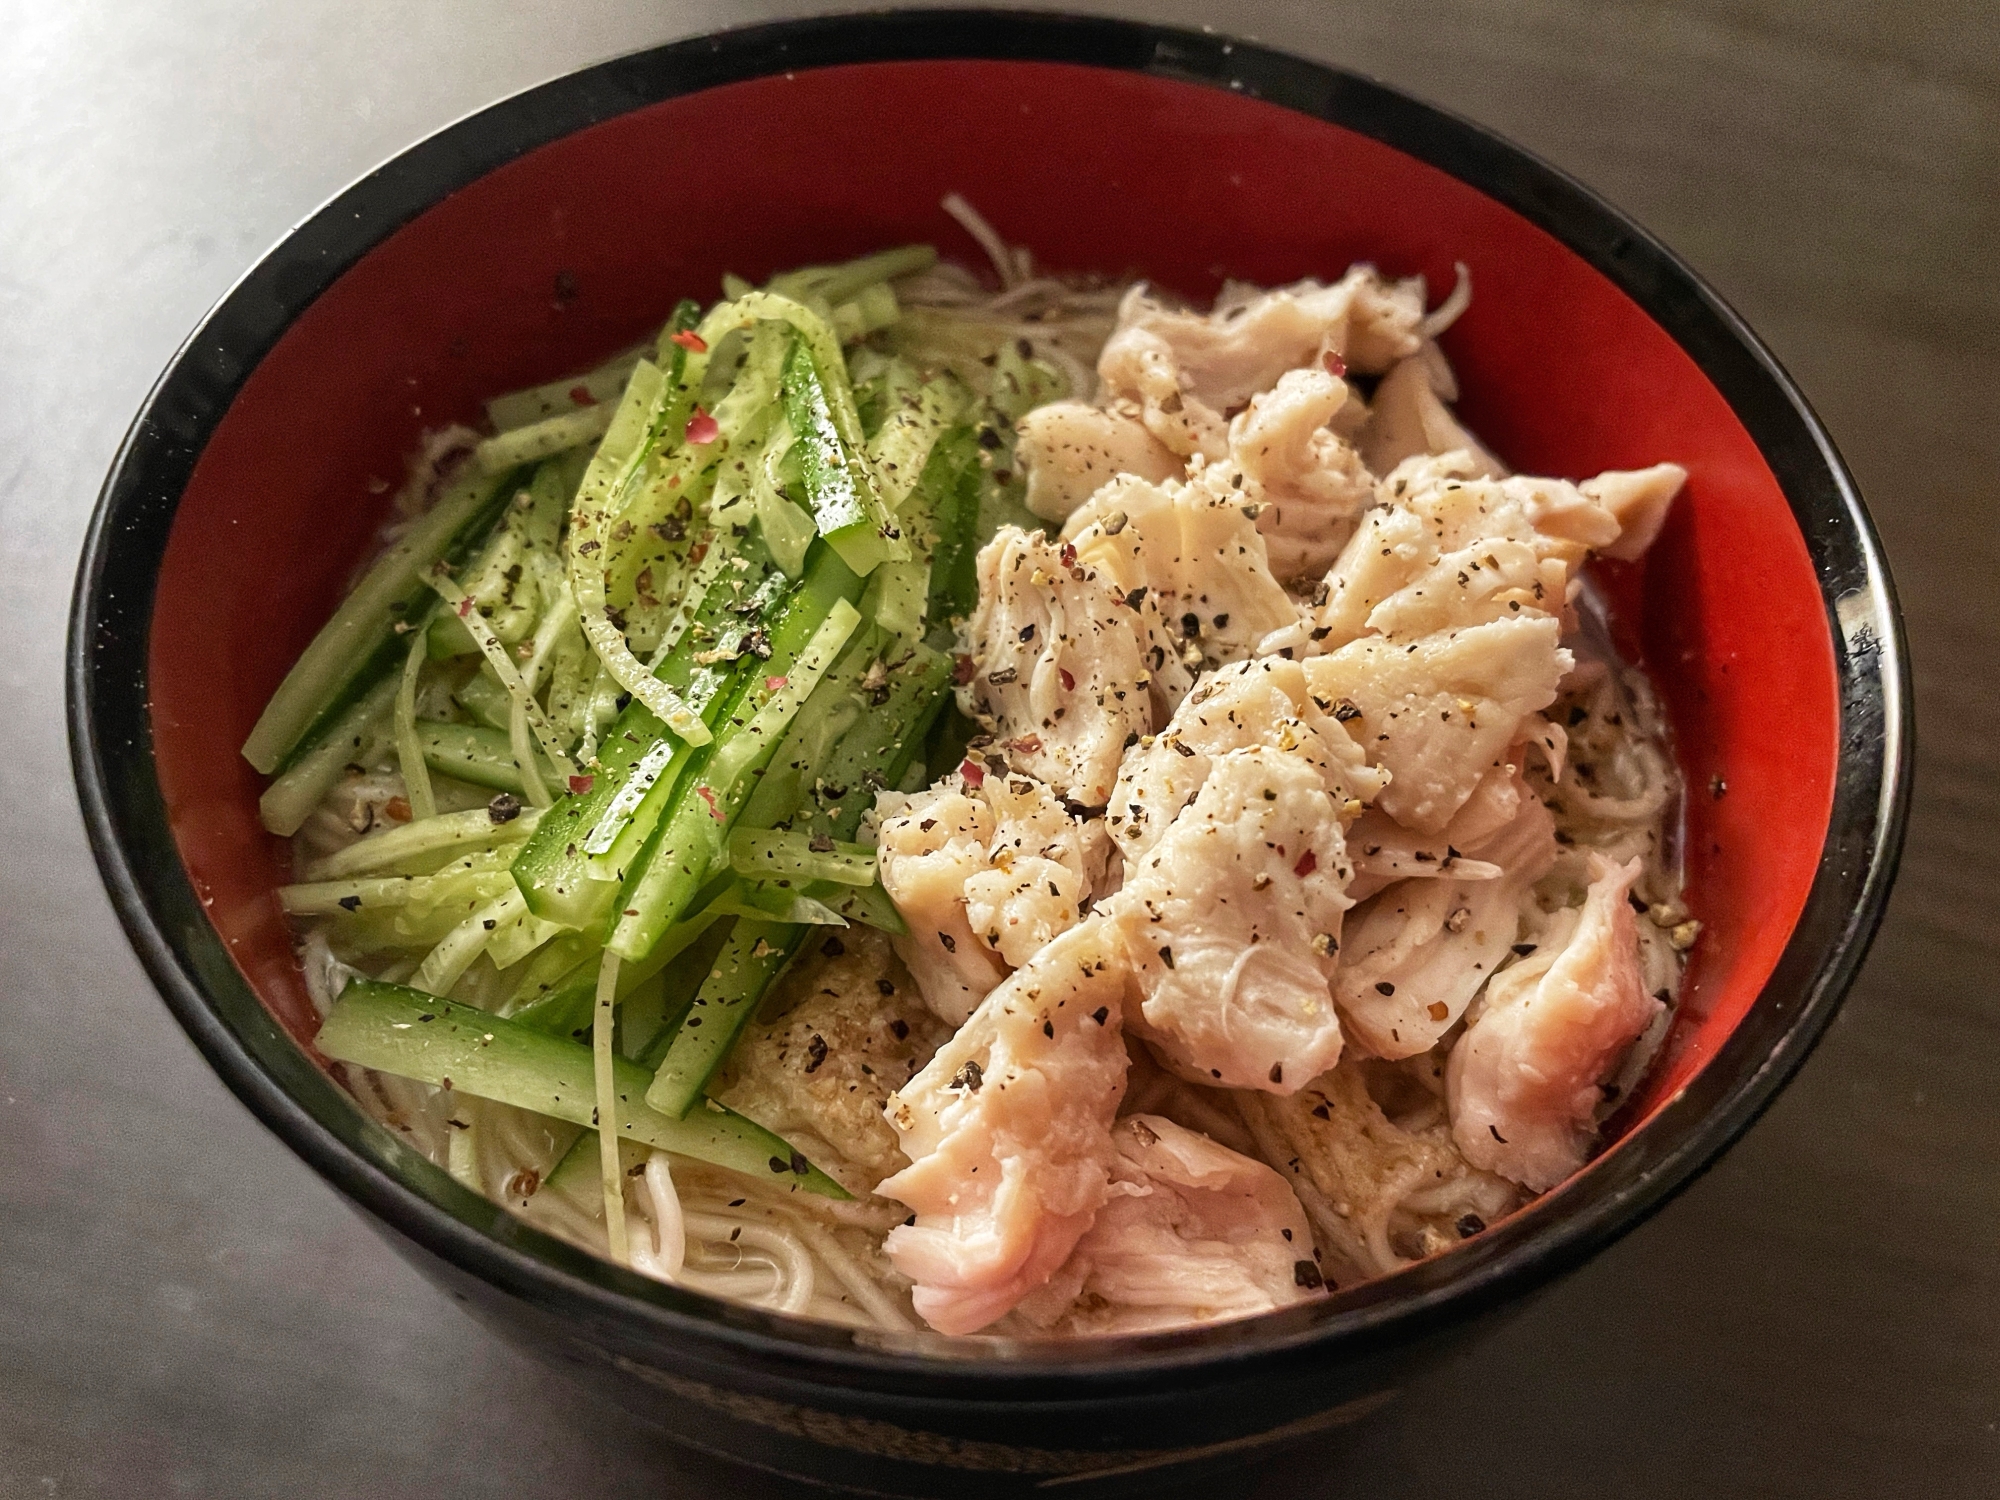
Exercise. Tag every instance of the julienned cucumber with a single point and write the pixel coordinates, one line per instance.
(359, 644)
(875, 752)
(394, 1029)
(554, 869)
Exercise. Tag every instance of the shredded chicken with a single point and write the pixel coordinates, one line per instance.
(1055, 665)
(1068, 451)
(1192, 1233)
(1439, 712)
(1192, 568)
(1417, 953)
(1638, 499)
(1008, 1131)
(1184, 374)
(1285, 457)
(1409, 418)
(1231, 924)
(1262, 702)
(1525, 1079)
(984, 875)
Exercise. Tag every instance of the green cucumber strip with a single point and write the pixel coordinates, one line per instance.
(846, 507)
(754, 956)
(869, 309)
(628, 819)
(484, 698)
(473, 878)
(875, 751)
(468, 752)
(394, 1029)
(901, 447)
(769, 854)
(291, 799)
(601, 386)
(836, 703)
(841, 282)
(555, 868)
(361, 637)
(396, 849)
(952, 477)
(655, 409)
(545, 438)
(690, 837)
(565, 1008)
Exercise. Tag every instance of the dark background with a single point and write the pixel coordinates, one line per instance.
(185, 1309)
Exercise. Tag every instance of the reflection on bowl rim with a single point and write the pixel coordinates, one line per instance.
(126, 816)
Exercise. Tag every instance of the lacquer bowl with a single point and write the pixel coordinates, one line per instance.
(543, 233)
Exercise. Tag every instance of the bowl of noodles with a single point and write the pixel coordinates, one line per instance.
(977, 750)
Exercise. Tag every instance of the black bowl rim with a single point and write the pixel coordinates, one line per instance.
(125, 815)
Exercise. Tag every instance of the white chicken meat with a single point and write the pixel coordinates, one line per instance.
(1008, 1131)
(1184, 374)
(1261, 702)
(984, 875)
(1067, 451)
(1525, 1081)
(1192, 567)
(1417, 953)
(1055, 665)
(1231, 925)
(1438, 713)
(1192, 1233)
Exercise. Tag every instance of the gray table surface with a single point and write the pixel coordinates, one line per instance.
(185, 1309)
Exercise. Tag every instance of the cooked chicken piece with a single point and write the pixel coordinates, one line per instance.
(1417, 953)
(1184, 374)
(1285, 457)
(1055, 665)
(1192, 1233)
(1449, 548)
(1369, 1151)
(1439, 712)
(1008, 1131)
(852, 1028)
(1200, 569)
(1409, 418)
(1068, 451)
(1231, 925)
(1525, 1080)
(984, 875)
(1384, 851)
(1639, 499)
(1260, 702)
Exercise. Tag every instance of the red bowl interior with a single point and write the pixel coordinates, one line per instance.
(580, 247)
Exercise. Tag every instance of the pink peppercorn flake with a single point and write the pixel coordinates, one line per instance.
(1335, 365)
(707, 794)
(772, 684)
(579, 786)
(1308, 862)
(702, 428)
(580, 395)
(973, 772)
(1068, 682)
(688, 339)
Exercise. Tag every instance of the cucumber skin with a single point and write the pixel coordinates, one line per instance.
(395, 1029)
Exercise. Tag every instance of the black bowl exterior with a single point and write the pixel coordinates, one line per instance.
(808, 1399)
